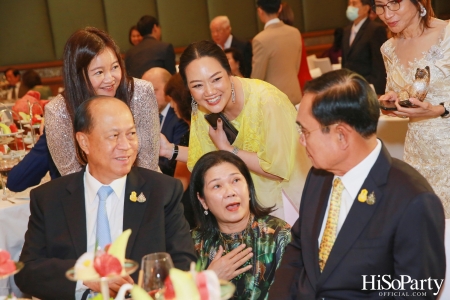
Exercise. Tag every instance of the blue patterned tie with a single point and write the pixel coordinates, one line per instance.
(160, 118)
(103, 232)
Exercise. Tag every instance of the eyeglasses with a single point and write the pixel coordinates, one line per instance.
(392, 5)
(305, 133)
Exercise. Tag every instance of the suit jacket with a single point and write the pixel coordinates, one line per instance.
(276, 58)
(245, 47)
(30, 171)
(56, 234)
(173, 128)
(149, 53)
(364, 55)
(401, 234)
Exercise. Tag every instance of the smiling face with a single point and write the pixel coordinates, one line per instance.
(398, 21)
(209, 83)
(322, 148)
(104, 73)
(226, 195)
(111, 145)
(135, 37)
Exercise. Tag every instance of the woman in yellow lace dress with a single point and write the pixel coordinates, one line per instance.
(268, 141)
(420, 40)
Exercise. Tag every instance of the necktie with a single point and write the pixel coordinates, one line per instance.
(160, 118)
(103, 232)
(329, 234)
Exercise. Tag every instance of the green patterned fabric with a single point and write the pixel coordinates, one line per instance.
(268, 236)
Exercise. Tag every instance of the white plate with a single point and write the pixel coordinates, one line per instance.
(13, 133)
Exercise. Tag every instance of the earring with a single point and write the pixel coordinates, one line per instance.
(206, 212)
(194, 106)
(233, 94)
(423, 10)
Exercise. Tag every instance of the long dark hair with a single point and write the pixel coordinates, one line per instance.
(207, 224)
(176, 89)
(79, 51)
(202, 49)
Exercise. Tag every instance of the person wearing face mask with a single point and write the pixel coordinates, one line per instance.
(361, 45)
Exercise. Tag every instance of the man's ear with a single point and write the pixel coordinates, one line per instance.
(83, 141)
(344, 132)
(202, 201)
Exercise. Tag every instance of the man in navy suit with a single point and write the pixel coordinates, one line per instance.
(171, 126)
(151, 51)
(361, 43)
(370, 226)
(221, 34)
(65, 212)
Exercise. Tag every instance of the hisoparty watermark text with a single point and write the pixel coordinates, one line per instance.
(385, 282)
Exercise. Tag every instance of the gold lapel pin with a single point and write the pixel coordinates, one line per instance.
(133, 196)
(362, 197)
(371, 199)
(141, 198)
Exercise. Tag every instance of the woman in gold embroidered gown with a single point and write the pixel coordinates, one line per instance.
(420, 40)
(268, 141)
(92, 65)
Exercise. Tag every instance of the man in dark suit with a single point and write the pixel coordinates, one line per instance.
(16, 89)
(151, 52)
(171, 126)
(221, 34)
(370, 225)
(361, 44)
(67, 213)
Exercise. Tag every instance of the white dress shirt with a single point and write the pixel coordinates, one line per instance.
(270, 22)
(353, 181)
(164, 114)
(114, 210)
(227, 43)
(355, 29)
(10, 95)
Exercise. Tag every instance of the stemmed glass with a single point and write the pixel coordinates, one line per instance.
(156, 268)
(6, 164)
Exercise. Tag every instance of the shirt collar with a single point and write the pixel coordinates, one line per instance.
(165, 110)
(354, 179)
(270, 22)
(93, 185)
(356, 28)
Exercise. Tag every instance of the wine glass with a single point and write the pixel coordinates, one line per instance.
(156, 268)
(6, 164)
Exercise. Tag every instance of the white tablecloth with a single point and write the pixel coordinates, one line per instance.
(13, 225)
(392, 131)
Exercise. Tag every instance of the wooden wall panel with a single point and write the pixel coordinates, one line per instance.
(183, 22)
(66, 16)
(25, 32)
(242, 15)
(324, 14)
(121, 15)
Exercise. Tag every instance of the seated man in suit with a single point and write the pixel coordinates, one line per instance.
(221, 34)
(151, 51)
(368, 222)
(69, 214)
(172, 127)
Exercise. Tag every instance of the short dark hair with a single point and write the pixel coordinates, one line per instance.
(345, 96)
(80, 49)
(83, 122)
(207, 225)
(366, 2)
(145, 24)
(15, 71)
(30, 79)
(238, 57)
(269, 6)
(177, 90)
(201, 49)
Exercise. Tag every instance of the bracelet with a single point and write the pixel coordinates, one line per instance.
(175, 152)
(235, 150)
(446, 106)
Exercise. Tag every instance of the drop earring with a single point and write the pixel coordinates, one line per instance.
(423, 10)
(194, 106)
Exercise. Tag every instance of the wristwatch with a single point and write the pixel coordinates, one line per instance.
(446, 106)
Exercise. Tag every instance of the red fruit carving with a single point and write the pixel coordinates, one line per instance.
(13, 127)
(169, 294)
(7, 266)
(107, 265)
(202, 286)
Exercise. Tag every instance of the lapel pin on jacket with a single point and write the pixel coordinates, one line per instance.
(371, 199)
(141, 198)
(133, 197)
(363, 197)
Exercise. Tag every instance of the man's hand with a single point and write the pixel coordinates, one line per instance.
(114, 285)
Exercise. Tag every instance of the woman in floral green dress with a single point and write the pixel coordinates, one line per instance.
(235, 236)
